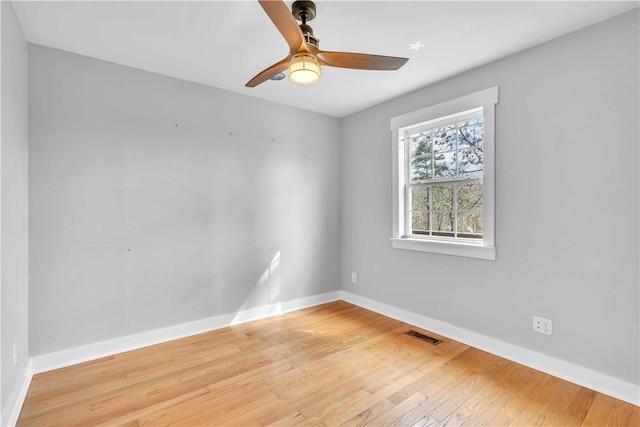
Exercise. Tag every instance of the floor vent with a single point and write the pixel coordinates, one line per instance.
(423, 337)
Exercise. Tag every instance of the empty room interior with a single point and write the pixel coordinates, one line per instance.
(330, 213)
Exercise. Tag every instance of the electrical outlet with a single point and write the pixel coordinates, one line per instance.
(542, 326)
(15, 353)
(354, 277)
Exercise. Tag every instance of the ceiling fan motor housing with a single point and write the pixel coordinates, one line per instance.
(303, 10)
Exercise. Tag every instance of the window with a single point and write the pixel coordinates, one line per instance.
(444, 177)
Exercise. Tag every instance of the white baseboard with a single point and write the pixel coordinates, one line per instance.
(576, 374)
(17, 396)
(72, 356)
(582, 376)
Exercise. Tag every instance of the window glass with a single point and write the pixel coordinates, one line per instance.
(440, 157)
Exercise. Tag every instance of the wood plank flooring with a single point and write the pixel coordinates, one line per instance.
(333, 364)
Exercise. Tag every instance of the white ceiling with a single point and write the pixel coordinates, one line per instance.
(225, 43)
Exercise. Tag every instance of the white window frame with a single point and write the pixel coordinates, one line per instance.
(481, 248)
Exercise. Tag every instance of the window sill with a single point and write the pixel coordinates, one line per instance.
(446, 248)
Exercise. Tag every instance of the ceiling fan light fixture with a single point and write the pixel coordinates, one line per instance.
(304, 69)
(302, 61)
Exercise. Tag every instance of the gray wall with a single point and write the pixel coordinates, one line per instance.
(567, 204)
(14, 209)
(156, 201)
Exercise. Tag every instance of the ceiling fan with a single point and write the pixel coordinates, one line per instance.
(305, 57)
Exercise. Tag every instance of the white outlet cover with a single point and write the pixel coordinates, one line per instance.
(542, 325)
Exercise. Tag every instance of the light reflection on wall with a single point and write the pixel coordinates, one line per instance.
(263, 300)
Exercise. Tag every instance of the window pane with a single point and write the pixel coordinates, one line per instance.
(419, 198)
(420, 168)
(470, 134)
(442, 223)
(444, 139)
(442, 197)
(470, 224)
(470, 196)
(420, 146)
(470, 161)
(445, 165)
(419, 222)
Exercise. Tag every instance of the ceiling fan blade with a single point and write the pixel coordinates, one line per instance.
(360, 61)
(284, 21)
(269, 72)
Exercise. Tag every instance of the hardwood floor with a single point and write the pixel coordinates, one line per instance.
(333, 364)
